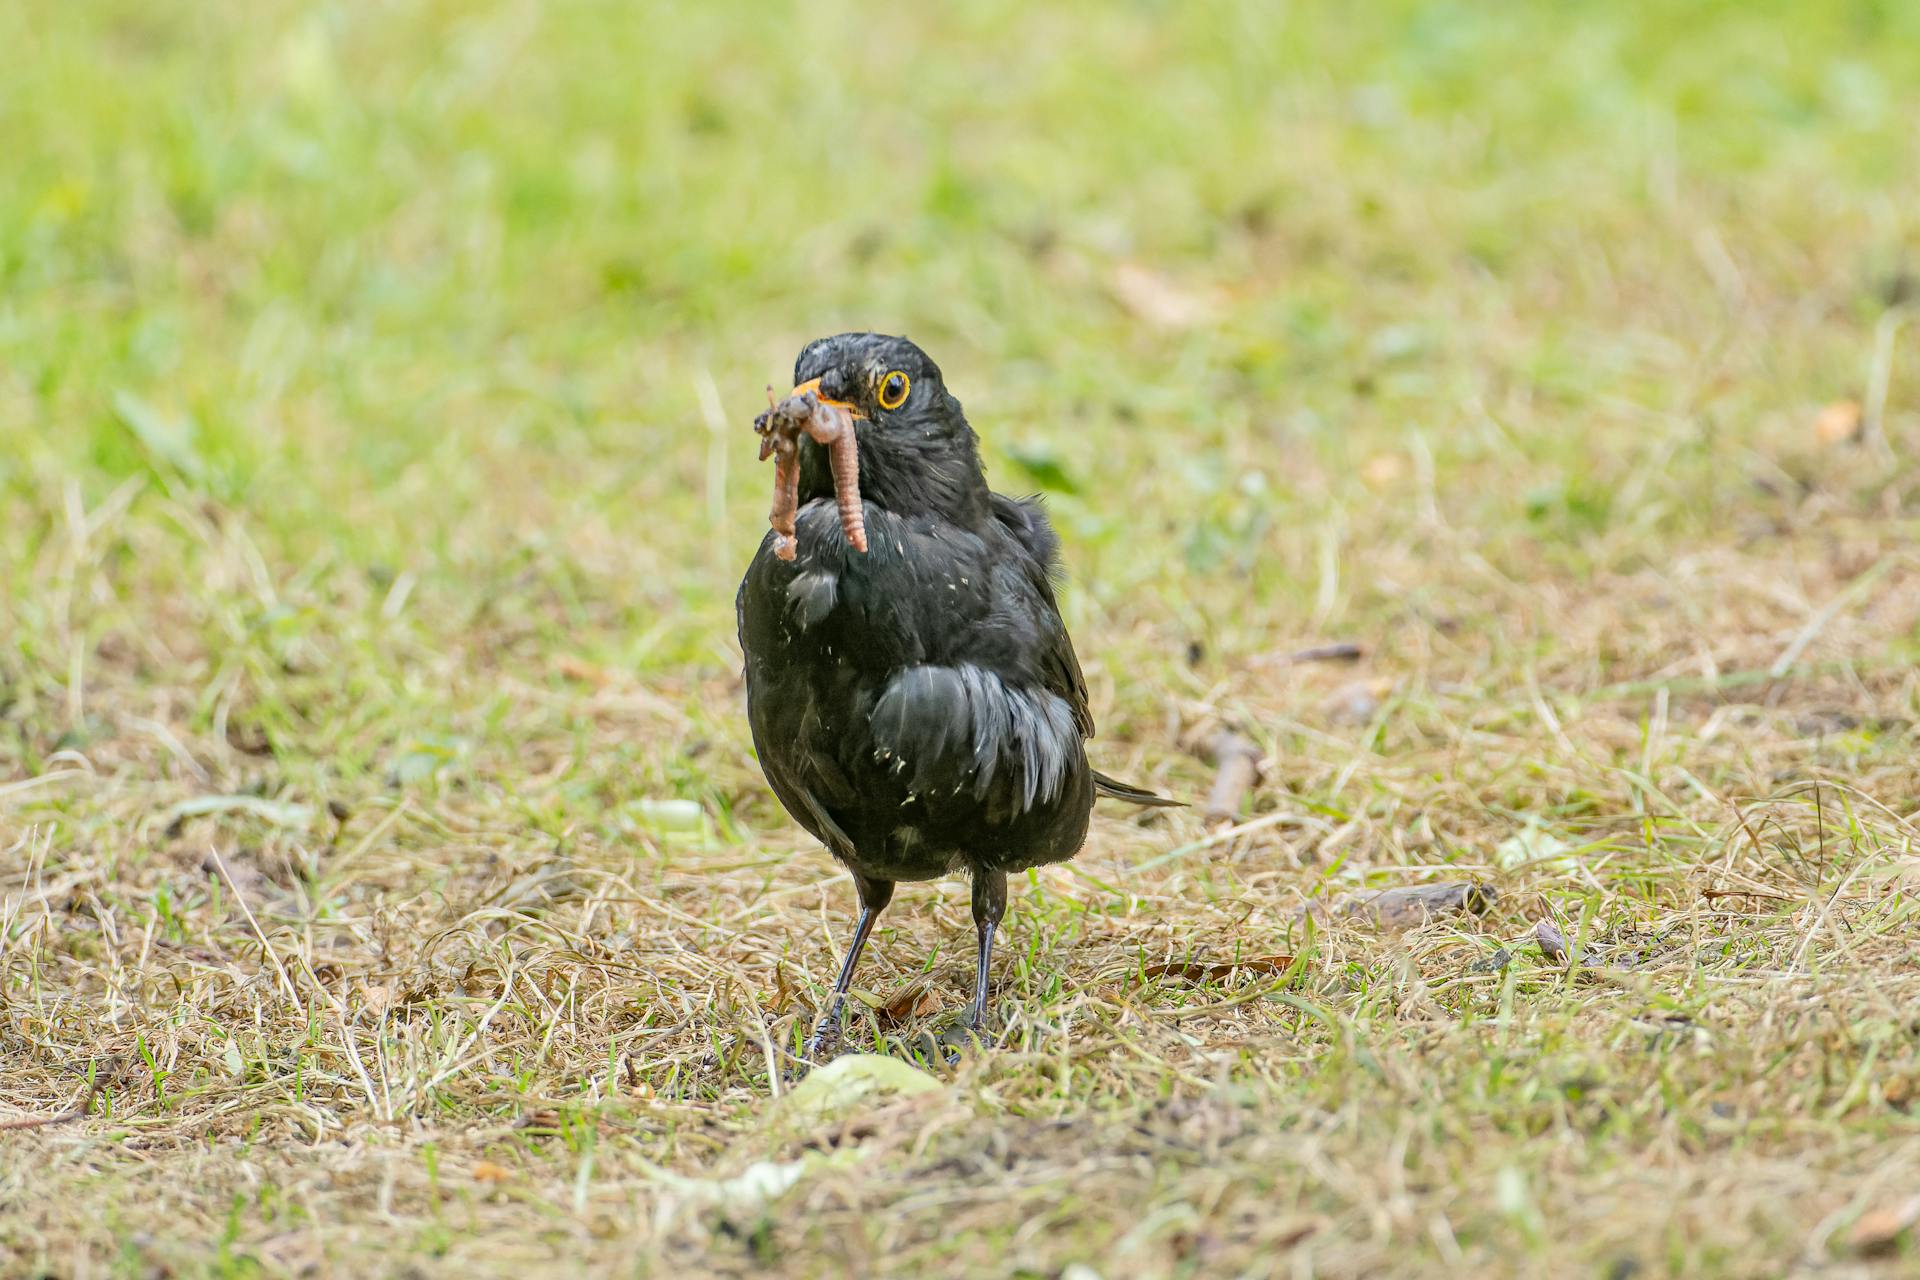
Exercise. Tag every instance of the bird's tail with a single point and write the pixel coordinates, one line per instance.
(1114, 789)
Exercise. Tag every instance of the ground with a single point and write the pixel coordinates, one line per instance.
(383, 862)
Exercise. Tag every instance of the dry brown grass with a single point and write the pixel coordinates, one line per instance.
(457, 1023)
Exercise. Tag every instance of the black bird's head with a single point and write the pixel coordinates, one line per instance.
(917, 453)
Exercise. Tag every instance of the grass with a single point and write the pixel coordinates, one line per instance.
(374, 389)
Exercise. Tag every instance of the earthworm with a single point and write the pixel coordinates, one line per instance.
(786, 493)
(829, 425)
(833, 427)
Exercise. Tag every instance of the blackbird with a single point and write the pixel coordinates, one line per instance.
(914, 698)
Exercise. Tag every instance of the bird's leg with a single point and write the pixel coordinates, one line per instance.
(829, 1025)
(989, 905)
(874, 897)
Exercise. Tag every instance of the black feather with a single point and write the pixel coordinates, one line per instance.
(1114, 789)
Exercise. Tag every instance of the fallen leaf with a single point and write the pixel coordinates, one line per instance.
(1553, 943)
(744, 1194)
(488, 1171)
(915, 1000)
(1357, 701)
(584, 672)
(670, 815)
(1533, 846)
(1838, 423)
(1383, 469)
(1160, 302)
(1512, 1194)
(846, 1082)
(1879, 1229)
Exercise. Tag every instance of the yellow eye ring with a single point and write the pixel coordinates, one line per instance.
(893, 390)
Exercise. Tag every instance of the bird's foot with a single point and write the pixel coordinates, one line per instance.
(958, 1038)
(821, 1045)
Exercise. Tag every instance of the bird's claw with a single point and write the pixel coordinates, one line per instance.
(953, 1041)
(822, 1044)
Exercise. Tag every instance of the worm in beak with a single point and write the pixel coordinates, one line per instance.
(830, 423)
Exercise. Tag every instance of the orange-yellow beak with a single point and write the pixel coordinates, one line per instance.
(813, 385)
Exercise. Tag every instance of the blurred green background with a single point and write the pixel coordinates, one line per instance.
(480, 298)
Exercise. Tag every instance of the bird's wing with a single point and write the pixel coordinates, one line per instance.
(1026, 519)
(1056, 663)
(949, 731)
(807, 806)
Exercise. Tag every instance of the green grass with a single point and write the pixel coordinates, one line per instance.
(374, 396)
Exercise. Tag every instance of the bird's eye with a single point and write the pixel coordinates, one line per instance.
(893, 390)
